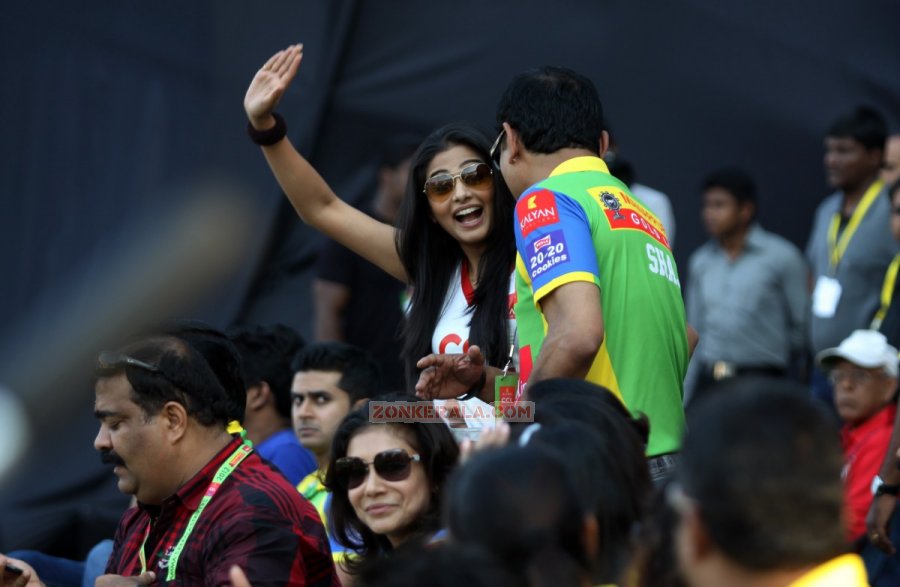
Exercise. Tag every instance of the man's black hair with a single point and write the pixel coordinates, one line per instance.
(266, 355)
(735, 181)
(864, 125)
(184, 377)
(553, 108)
(763, 464)
(221, 356)
(360, 373)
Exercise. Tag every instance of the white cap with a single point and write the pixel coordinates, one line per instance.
(865, 348)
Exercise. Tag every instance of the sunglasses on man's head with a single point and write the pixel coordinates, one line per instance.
(111, 361)
(439, 187)
(390, 465)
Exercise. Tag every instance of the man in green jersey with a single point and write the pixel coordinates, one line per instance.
(598, 293)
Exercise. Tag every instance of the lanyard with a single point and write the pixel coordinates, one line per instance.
(887, 292)
(226, 469)
(837, 248)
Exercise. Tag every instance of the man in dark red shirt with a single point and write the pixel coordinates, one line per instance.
(206, 501)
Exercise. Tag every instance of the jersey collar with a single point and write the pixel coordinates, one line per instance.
(583, 163)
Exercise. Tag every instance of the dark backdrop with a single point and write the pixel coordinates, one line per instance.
(107, 106)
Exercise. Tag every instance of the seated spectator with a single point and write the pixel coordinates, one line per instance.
(208, 499)
(863, 372)
(266, 354)
(520, 505)
(330, 380)
(758, 494)
(387, 482)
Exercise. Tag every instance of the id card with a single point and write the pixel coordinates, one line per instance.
(505, 387)
(826, 296)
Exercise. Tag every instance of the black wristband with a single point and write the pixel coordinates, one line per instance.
(475, 390)
(270, 136)
(885, 489)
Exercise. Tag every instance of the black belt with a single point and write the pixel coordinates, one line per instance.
(724, 370)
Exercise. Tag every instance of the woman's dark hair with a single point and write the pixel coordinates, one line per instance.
(430, 257)
(439, 452)
(520, 505)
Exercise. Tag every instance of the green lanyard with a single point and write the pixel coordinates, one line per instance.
(837, 248)
(226, 469)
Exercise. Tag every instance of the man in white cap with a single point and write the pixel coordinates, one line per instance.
(863, 370)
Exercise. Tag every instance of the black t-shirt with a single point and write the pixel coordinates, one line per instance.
(373, 316)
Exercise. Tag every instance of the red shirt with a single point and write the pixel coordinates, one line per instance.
(864, 448)
(257, 520)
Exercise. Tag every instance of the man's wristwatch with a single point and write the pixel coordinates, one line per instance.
(879, 487)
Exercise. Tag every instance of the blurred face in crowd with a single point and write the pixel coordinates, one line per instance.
(859, 392)
(131, 440)
(895, 214)
(891, 171)
(389, 508)
(848, 164)
(319, 405)
(723, 215)
(465, 212)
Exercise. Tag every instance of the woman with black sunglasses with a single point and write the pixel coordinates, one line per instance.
(387, 483)
(454, 243)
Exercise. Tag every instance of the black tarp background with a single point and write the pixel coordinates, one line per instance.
(106, 106)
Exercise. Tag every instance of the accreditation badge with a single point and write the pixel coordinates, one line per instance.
(826, 296)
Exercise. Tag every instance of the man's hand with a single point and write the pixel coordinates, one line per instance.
(28, 578)
(145, 578)
(449, 376)
(269, 84)
(238, 578)
(880, 513)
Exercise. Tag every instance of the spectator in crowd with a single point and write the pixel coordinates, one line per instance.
(355, 301)
(850, 246)
(654, 560)
(453, 244)
(890, 171)
(330, 380)
(206, 500)
(266, 354)
(597, 288)
(863, 371)
(887, 318)
(747, 289)
(520, 505)
(759, 496)
(387, 482)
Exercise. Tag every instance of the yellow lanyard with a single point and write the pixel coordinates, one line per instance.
(837, 248)
(887, 292)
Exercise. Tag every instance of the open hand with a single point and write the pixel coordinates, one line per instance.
(145, 578)
(28, 578)
(449, 376)
(269, 84)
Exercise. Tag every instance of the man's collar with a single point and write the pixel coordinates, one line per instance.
(193, 491)
(583, 163)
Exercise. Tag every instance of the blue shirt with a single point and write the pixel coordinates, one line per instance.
(284, 451)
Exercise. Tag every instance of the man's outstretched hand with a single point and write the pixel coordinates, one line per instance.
(449, 376)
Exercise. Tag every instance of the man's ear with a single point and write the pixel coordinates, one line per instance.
(603, 143)
(175, 418)
(514, 146)
(590, 537)
(258, 396)
(695, 542)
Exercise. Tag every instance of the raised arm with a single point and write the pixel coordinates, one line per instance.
(312, 198)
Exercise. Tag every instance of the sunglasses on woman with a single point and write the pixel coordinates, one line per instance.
(390, 465)
(439, 187)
